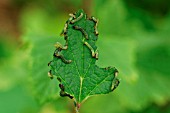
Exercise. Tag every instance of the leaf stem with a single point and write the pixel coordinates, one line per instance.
(76, 109)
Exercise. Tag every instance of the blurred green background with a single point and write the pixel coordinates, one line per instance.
(134, 37)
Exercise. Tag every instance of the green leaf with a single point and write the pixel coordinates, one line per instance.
(74, 63)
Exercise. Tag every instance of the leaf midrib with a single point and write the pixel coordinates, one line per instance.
(82, 78)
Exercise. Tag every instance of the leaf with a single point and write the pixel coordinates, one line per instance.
(74, 63)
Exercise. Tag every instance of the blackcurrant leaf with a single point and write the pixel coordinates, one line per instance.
(74, 63)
